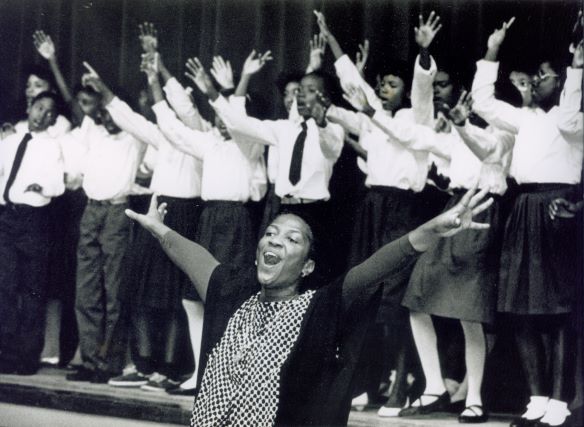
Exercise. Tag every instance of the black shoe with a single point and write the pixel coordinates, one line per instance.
(82, 374)
(479, 415)
(456, 407)
(27, 369)
(179, 391)
(100, 377)
(440, 404)
(524, 422)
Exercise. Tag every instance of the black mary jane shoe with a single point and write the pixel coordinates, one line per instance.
(439, 405)
(479, 415)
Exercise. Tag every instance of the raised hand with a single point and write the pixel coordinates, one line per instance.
(355, 96)
(319, 107)
(222, 72)
(91, 78)
(148, 37)
(362, 56)
(196, 72)
(562, 208)
(460, 217)
(153, 220)
(426, 31)
(44, 44)
(255, 62)
(321, 21)
(461, 111)
(497, 37)
(317, 49)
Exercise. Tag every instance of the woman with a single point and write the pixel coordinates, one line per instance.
(279, 356)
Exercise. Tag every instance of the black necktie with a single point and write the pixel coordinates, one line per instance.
(16, 165)
(296, 161)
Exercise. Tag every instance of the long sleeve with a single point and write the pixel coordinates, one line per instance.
(570, 118)
(192, 142)
(423, 93)
(495, 112)
(183, 106)
(331, 138)
(380, 265)
(190, 257)
(483, 143)
(135, 124)
(349, 75)
(413, 136)
(251, 151)
(242, 126)
(353, 122)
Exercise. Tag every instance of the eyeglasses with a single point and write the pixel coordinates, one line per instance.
(542, 76)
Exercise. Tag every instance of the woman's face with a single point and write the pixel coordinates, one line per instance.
(34, 86)
(282, 253)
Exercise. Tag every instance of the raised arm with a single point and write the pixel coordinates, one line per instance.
(326, 33)
(317, 49)
(46, 48)
(238, 124)
(193, 259)
(395, 255)
(497, 113)
(570, 120)
(424, 71)
(252, 65)
(411, 135)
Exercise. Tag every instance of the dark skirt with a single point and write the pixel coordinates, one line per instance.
(386, 214)
(225, 229)
(539, 258)
(457, 277)
(154, 281)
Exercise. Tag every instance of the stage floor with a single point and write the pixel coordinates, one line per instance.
(49, 389)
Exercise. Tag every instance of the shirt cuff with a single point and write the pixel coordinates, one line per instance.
(160, 107)
(406, 247)
(219, 103)
(172, 85)
(573, 77)
(488, 69)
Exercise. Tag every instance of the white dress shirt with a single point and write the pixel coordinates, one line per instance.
(389, 163)
(175, 174)
(110, 162)
(542, 153)
(227, 165)
(322, 148)
(42, 164)
(183, 106)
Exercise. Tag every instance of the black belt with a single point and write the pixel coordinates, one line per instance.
(110, 202)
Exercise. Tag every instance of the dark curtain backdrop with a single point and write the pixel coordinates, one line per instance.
(104, 33)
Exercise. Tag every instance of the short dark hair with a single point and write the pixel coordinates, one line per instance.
(507, 92)
(41, 72)
(398, 68)
(284, 78)
(51, 95)
(330, 85)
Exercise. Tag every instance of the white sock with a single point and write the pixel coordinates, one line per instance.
(556, 412)
(536, 407)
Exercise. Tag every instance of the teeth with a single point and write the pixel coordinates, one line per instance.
(271, 258)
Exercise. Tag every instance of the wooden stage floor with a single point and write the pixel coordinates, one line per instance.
(50, 389)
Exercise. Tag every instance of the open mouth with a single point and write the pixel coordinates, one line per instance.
(271, 259)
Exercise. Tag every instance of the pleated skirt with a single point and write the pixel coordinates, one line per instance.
(386, 214)
(540, 257)
(457, 277)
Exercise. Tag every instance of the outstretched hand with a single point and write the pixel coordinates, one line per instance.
(362, 56)
(461, 111)
(255, 61)
(196, 72)
(222, 72)
(498, 36)
(44, 44)
(153, 220)
(460, 217)
(426, 31)
(322, 25)
(355, 96)
(317, 49)
(148, 37)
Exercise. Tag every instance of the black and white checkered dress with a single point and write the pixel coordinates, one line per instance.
(242, 378)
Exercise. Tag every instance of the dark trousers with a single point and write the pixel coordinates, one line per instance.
(103, 241)
(24, 249)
